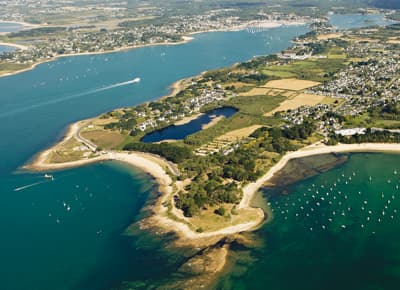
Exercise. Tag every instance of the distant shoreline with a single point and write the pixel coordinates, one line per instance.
(185, 39)
(18, 46)
(125, 48)
(25, 24)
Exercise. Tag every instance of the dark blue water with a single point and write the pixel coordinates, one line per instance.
(179, 132)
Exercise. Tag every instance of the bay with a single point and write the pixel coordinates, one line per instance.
(337, 230)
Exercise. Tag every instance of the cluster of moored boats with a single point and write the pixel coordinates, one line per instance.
(340, 205)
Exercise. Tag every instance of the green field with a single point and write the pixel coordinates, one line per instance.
(11, 67)
(251, 110)
(318, 70)
(367, 121)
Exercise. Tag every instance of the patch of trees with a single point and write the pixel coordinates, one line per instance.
(299, 132)
(206, 191)
(369, 137)
(390, 111)
(310, 34)
(296, 132)
(37, 32)
(317, 48)
(122, 124)
(278, 139)
(241, 166)
(387, 111)
(333, 115)
(226, 76)
(169, 151)
(258, 62)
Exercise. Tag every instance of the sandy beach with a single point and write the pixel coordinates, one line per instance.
(188, 119)
(18, 46)
(26, 24)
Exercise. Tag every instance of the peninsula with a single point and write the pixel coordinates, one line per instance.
(308, 100)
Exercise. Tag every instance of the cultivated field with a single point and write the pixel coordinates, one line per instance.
(296, 102)
(239, 133)
(329, 36)
(291, 84)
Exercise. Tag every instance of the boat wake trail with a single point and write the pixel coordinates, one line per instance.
(29, 185)
(67, 98)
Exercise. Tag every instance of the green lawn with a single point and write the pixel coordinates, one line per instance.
(11, 67)
(314, 70)
(366, 121)
(279, 73)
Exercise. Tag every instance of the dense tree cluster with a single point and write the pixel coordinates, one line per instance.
(169, 151)
(296, 132)
(369, 137)
(258, 62)
(122, 124)
(207, 190)
(225, 76)
(387, 111)
(37, 32)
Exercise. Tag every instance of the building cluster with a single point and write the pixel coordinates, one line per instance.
(154, 118)
(371, 80)
(78, 39)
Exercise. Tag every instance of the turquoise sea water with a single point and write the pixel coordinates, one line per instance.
(67, 233)
(337, 230)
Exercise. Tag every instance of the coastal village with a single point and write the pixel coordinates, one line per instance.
(127, 34)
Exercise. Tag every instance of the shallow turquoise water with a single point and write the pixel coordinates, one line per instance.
(338, 230)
